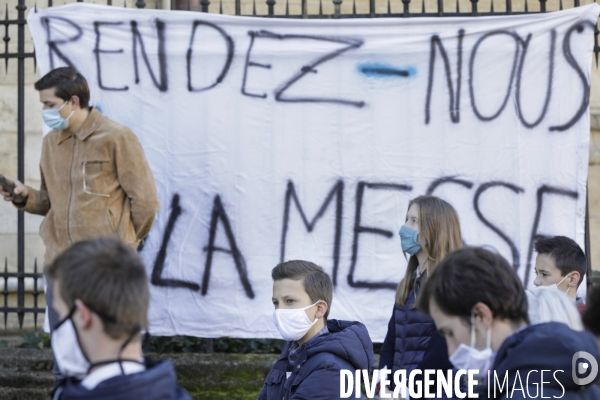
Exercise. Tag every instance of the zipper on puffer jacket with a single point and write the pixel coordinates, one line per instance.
(70, 191)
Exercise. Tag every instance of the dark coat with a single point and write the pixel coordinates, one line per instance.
(412, 341)
(547, 346)
(157, 382)
(316, 372)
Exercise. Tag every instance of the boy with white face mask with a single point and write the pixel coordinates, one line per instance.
(101, 297)
(316, 349)
(479, 305)
(560, 264)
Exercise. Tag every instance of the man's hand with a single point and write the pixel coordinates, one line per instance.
(20, 189)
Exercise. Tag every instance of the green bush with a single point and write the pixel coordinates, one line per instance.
(190, 344)
(180, 344)
(37, 339)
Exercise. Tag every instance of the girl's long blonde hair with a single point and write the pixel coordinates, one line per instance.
(439, 226)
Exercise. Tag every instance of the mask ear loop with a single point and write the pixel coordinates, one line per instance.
(568, 287)
(71, 312)
(63, 106)
(316, 319)
(70, 115)
(563, 279)
(72, 111)
(129, 339)
(489, 338)
(472, 330)
(119, 359)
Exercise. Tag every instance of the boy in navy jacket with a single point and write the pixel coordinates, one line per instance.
(479, 304)
(316, 349)
(101, 297)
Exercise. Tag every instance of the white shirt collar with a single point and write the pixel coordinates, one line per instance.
(109, 371)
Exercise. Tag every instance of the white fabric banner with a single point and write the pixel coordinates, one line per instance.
(275, 139)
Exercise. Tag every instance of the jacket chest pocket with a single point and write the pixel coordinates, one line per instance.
(292, 383)
(274, 384)
(95, 174)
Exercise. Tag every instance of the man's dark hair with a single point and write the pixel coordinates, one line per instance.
(67, 82)
(591, 316)
(567, 254)
(472, 275)
(107, 276)
(316, 282)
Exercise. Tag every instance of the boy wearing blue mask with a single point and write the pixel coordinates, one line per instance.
(95, 180)
(101, 297)
(561, 264)
(479, 305)
(317, 348)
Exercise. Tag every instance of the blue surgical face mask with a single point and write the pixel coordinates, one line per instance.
(408, 238)
(53, 119)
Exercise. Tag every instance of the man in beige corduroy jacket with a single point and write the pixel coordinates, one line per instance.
(95, 177)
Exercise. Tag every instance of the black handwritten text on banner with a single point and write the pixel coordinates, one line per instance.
(279, 139)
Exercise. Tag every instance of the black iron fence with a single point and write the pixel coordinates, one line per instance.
(383, 8)
(16, 282)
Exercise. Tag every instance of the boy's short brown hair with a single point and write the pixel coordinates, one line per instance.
(316, 282)
(566, 254)
(472, 275)
(67, 82)
(110, 278)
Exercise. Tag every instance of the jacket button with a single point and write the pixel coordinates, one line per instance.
(298, 367)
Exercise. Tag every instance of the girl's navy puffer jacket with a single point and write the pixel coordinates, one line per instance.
(412, 341)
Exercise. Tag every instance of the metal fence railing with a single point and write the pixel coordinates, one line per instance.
(17, 282)
(374, 8)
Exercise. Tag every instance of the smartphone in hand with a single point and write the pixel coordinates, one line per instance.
(10, 188)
